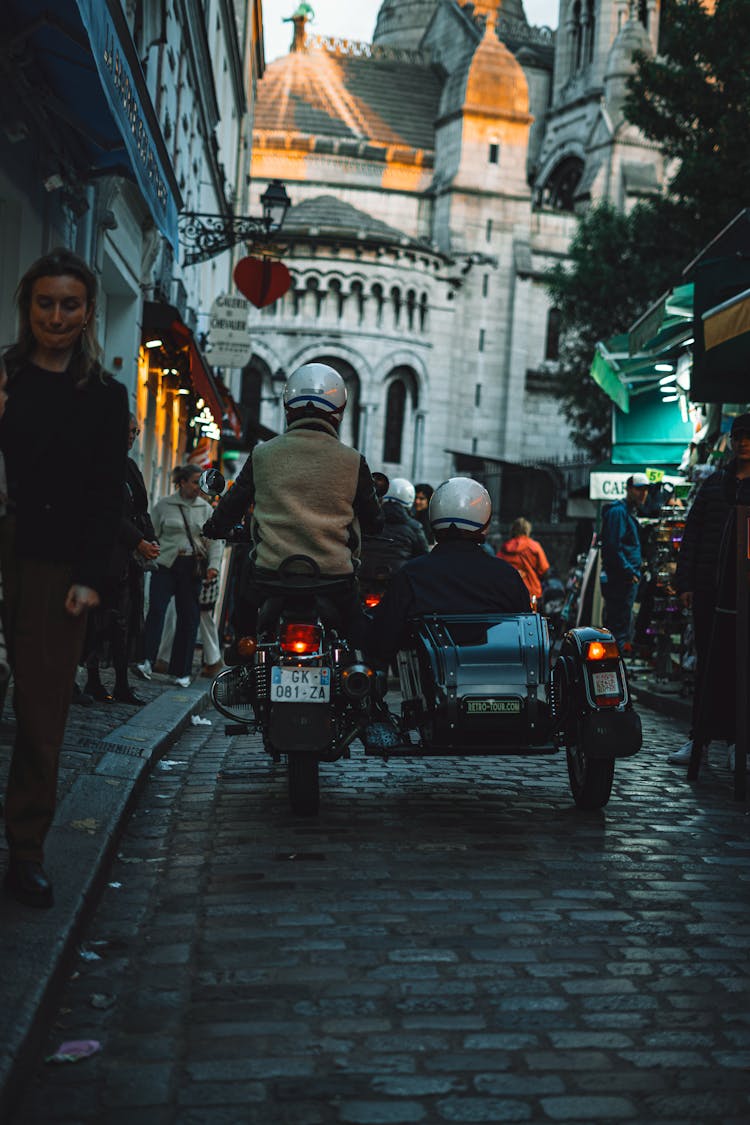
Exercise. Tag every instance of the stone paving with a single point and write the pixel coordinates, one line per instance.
(450, 941)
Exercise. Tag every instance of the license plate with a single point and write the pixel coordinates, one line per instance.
(493, 706)
(606, 683)
(300, 685)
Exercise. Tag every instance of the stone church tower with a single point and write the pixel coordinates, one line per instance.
(435, 177)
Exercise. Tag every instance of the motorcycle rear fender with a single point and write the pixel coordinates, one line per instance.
(610, 734)
(300, 726)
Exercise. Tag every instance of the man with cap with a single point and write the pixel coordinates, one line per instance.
(621, 558)
(707, 531)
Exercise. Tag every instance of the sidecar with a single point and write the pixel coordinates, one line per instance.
(487, 685)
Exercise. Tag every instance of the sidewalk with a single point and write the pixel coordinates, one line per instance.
(107, 755)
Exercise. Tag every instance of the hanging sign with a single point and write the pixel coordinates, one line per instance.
(261, 280)
(228, 338)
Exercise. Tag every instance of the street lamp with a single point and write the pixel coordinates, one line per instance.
(205, 235)
(275, 203)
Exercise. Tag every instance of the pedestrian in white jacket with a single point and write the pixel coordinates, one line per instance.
(186, 558)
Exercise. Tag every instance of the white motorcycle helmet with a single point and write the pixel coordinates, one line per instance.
(316, 387)
(462, 503)
(402, 490)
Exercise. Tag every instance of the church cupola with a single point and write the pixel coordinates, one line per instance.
(402, 23)
(496, 83)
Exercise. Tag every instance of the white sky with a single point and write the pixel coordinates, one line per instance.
(357, 20)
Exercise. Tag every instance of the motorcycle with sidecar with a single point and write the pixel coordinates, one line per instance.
(470, 685)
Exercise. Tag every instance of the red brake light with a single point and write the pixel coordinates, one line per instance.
(300, 639)
(372, 600)
(602, 650)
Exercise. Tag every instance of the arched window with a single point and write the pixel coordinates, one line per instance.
(591, 28)
(338, 297)
(359, 300)
(559, 191)
(395, 409)
(423, 307)
(552, 341)
(396, 300)
(377, 292)
(577, 33)
(411, 304)
(251, 388)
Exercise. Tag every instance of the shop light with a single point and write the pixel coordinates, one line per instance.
(667, 379)
(663, 367)
(153, 343)
(183, 391)
(687, 343)
(670, 398)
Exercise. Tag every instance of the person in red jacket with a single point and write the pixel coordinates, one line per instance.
(527, 556)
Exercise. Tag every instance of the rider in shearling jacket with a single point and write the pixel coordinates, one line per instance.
(311, 494)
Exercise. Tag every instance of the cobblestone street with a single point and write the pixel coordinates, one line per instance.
(450, 941)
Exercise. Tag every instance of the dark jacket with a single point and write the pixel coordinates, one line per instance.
(135, 523)
(621, 544)
(401, 539)
(313, 496)
(698, 558)
(457, 576)
(65, 454)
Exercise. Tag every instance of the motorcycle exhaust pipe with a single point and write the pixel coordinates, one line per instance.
(356, 681)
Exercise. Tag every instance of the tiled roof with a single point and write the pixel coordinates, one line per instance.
(327, 213)
(318, 93)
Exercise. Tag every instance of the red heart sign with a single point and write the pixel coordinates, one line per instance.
(261, 280)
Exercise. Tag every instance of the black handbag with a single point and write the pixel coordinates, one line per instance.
(200, 562)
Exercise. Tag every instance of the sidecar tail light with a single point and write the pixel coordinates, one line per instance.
(602, 650)
(302, 640)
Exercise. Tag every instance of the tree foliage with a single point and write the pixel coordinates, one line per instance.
(693, 100)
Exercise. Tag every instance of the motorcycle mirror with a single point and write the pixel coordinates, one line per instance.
(211, 482)
(381, 482)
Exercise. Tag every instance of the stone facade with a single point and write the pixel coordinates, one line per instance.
(435, 176)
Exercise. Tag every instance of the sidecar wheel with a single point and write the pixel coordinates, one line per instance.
(304, 784)
(590, 778)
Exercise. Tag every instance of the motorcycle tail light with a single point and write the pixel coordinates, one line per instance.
(372, 600)
(247, 647)
(303, 640)
(602, 650)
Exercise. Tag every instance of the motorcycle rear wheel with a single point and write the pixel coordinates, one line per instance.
(304, 784)
(590, 778)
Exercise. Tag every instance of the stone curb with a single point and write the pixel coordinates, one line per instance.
(37, 946)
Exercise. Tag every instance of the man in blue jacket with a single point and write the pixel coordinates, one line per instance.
(621, 558)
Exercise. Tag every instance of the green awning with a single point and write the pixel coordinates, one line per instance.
(605, 375)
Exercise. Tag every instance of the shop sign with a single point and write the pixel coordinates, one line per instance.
(228, 338)
(607, 486)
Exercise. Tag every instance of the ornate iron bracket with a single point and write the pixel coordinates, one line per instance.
(204, 235)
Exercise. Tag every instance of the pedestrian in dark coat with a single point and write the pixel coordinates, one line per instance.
(59, 535)
(118, 622)
(696, 579)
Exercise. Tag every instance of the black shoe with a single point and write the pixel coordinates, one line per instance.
(98, 692)
(126, 695)
(27, 882)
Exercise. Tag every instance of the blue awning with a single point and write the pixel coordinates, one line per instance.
(93, 81)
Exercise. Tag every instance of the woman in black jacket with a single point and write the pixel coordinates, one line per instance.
(118, 622)
(59, 534)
